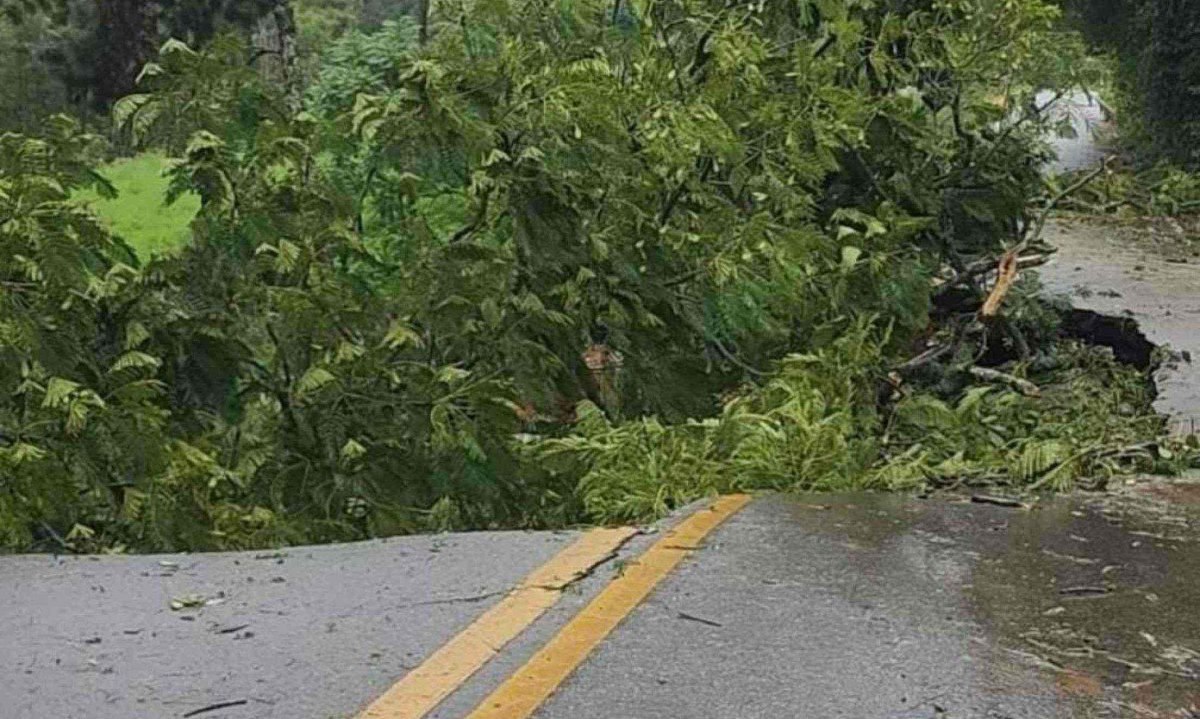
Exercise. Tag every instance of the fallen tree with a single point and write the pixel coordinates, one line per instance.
(528, 268)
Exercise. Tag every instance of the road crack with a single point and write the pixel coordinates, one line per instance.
(559, 587)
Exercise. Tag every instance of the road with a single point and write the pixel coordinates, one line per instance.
(1081, 147)
(864, 606)
(1116, 270)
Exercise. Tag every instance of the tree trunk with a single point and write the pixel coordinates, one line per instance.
(127, 32)
(274, 41)
(423, 20)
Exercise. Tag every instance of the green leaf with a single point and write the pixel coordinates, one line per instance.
(136, 334)
(135, 360)
(401, 335)
(452, 375)
(313, 380)
(850, 255)
(58, 392)
(352, 450)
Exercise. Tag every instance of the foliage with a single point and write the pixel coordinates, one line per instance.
(1092, 421)
(545, 266)
(811, 426)
(1163, 190)
(79, 56)
(318, 25)
(43, 62)
(359, 63)
(1153, 47)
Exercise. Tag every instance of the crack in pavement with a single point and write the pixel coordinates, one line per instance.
(578, 577)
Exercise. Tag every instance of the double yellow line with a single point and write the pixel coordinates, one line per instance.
(422, 689)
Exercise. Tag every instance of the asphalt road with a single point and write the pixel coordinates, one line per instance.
(864, 606)
(1146, 272)
(1119, 271)
(308, 633)
(885, 607)
(1079, 148)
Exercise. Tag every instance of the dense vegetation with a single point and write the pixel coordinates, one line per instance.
(79, 56)
(1158, 79)
(529, 264)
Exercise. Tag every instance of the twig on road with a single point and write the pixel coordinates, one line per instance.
(998, 501)
(216, 707)
(700, 620)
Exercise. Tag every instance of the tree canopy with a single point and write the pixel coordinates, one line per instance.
(531, 265)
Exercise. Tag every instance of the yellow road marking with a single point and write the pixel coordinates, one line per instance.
(525, 691)
(445, 670)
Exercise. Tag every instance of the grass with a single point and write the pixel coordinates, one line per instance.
(138, 213)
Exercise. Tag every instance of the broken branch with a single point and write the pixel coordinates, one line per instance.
(1023, 386)
(1006, 277)
(216, 707)
(1050, 206)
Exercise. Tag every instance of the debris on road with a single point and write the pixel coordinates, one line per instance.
(999, 501)
(196, 601)
(699, 620)
(216, 707)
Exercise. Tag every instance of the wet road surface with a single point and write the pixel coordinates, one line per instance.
(306, 633)
(866, 606)
(1081, 147)
(1107, 268)
(882, 606)
(1136, 271)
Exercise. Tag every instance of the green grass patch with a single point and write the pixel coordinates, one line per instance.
(139, 213)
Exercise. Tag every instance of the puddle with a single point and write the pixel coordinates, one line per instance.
(1097, 595)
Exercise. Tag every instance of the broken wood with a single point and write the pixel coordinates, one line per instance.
(929, 356)
(1023, 386)
(984, 266)
(216, 707)
(1006, 277)
(998, 501)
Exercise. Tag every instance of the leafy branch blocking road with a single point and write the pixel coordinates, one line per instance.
(548, 267)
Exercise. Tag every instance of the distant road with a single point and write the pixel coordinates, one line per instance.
(1086, 116)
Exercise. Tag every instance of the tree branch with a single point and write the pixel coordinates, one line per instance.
(1044, 215)
(1023, 386)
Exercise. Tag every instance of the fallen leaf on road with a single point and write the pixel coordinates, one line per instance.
(195, 601)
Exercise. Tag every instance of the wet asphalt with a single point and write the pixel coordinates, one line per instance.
(1105, 268)
(305, 633)
(1123, 271)
(866, 606)
(886, 607)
